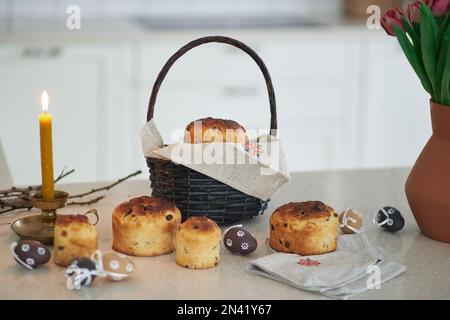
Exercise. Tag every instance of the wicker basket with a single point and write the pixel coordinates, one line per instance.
(196, 194)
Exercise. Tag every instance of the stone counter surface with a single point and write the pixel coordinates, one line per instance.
(428, 261)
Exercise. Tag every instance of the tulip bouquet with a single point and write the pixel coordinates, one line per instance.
(424, 36)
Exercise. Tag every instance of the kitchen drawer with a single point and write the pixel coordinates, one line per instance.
(318, 128)
(76, 116)
(300, 101)
(396, 120)
(297, 101)
(320, 57)
(307, 147)
(189, 100)
(32, 51)
(310, 149)
(88, 90)
(314, 57)
(211, 61)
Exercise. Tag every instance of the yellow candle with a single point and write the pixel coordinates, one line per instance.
(45, 128)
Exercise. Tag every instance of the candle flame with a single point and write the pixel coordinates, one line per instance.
(44, 101)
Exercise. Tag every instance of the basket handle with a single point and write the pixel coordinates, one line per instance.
(162, 74)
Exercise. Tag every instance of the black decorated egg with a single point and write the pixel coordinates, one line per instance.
(30, 254)
(239, 241)
(80, 272)
(117, 266)
(390, 219)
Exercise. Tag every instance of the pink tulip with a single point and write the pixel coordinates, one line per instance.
(414, 12)
(391, 19)
(438, 7)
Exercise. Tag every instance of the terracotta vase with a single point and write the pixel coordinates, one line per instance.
(428, 184)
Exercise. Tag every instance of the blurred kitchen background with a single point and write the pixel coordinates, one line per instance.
(347, 97)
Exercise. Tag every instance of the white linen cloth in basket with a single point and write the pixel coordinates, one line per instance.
(259, 172)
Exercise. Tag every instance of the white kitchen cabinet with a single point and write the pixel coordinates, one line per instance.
(344, 100)
(209, 61)
(321, 57)
(86, 100)
(395, 124)
(315, 80)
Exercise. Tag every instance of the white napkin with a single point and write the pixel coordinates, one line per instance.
(340, 274)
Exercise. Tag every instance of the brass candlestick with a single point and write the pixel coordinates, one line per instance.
(41, 227)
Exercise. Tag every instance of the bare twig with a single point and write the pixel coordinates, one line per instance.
(7, 210)
(63, 174)
(106, 187)
(83, 203)
(16, 203)
(20, 198)
(13, 191)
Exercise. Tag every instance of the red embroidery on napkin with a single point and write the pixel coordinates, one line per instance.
(254, 148)
(308, 262)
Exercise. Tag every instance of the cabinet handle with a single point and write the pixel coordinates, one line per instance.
(42, 52)
(234, 91)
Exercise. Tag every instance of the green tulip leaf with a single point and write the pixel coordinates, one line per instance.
(416, 27)
(429, 43)
(415, 62)
(414, 37)
(444, 27)
(444, 97)
(442, 65)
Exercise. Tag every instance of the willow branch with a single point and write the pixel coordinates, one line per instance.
(7, 210)
(15, 191)
(63, 174)
(15, 203)
(20, 198)
(84, 203)
(107, 187)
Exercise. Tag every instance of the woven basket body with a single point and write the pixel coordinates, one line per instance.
(194, 193)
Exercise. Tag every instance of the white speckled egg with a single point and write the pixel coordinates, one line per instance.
(30, 253)
(117, 266)
(239, 241)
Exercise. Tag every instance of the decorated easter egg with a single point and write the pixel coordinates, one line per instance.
(117, 266)
(239, 241)
(351, 221)
(80, 272)
(30, 253)
(390, 219)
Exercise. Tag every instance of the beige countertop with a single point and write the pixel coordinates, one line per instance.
(428, 261)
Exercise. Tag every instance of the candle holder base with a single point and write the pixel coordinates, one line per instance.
(41, 227)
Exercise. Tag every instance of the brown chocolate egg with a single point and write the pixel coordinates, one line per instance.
(117, 266)
(30, 254)
(351, 221)
(239, 241)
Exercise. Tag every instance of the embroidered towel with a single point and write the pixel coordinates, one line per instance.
(340, 274)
